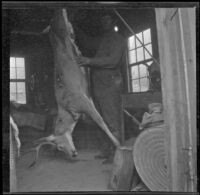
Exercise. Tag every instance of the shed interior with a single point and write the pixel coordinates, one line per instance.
(54, 171)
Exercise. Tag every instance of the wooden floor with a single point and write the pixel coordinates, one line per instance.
(53, 172)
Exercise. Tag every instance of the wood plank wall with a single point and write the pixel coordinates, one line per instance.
(176, 40)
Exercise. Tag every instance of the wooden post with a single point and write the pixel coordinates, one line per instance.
(176, 40)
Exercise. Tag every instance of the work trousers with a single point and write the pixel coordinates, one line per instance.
(107, 98)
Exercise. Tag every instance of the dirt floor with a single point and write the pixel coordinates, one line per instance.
(54, 172)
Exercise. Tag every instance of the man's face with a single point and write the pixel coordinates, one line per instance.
(107, 23)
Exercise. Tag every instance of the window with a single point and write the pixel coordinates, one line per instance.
(17, 80)
(139, 60)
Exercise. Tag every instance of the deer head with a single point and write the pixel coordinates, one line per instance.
(64, 126)
(61, 138)
(63, 143)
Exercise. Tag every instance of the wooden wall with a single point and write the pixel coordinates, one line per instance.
(176, 38)
(38, 60)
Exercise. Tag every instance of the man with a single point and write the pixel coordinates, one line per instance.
(107, 81)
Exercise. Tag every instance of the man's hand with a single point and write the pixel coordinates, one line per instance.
(81, 60)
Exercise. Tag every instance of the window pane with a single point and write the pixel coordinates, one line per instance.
(13, 87)
(134, 72)
(144, 83)
(139, 36)
(140, 54)
(12, 73)
(20, 62)
(12, 62)
(143, 70)
(149, 48)
(136, 85)
(147, 36)
(21, 93)
(13, 91)
(13, 96)
(20, 87)
(131, 42)
(132, 57)
(21, 98)
(20, 73)
(18, 94)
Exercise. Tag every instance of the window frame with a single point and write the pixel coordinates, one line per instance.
(19, 80)
(137, 63)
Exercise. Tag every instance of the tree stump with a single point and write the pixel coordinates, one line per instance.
(124, 175)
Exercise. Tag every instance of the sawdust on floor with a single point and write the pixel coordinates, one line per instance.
(54, 172)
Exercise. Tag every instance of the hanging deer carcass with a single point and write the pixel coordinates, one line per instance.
(71, 89)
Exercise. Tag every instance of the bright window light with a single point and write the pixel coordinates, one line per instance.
(139, 60)
(17, 80)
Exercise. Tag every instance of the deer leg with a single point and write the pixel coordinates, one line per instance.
(90, 109)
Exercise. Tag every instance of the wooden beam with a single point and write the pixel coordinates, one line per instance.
(172, 29)
(22, 32)
(188, 37)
